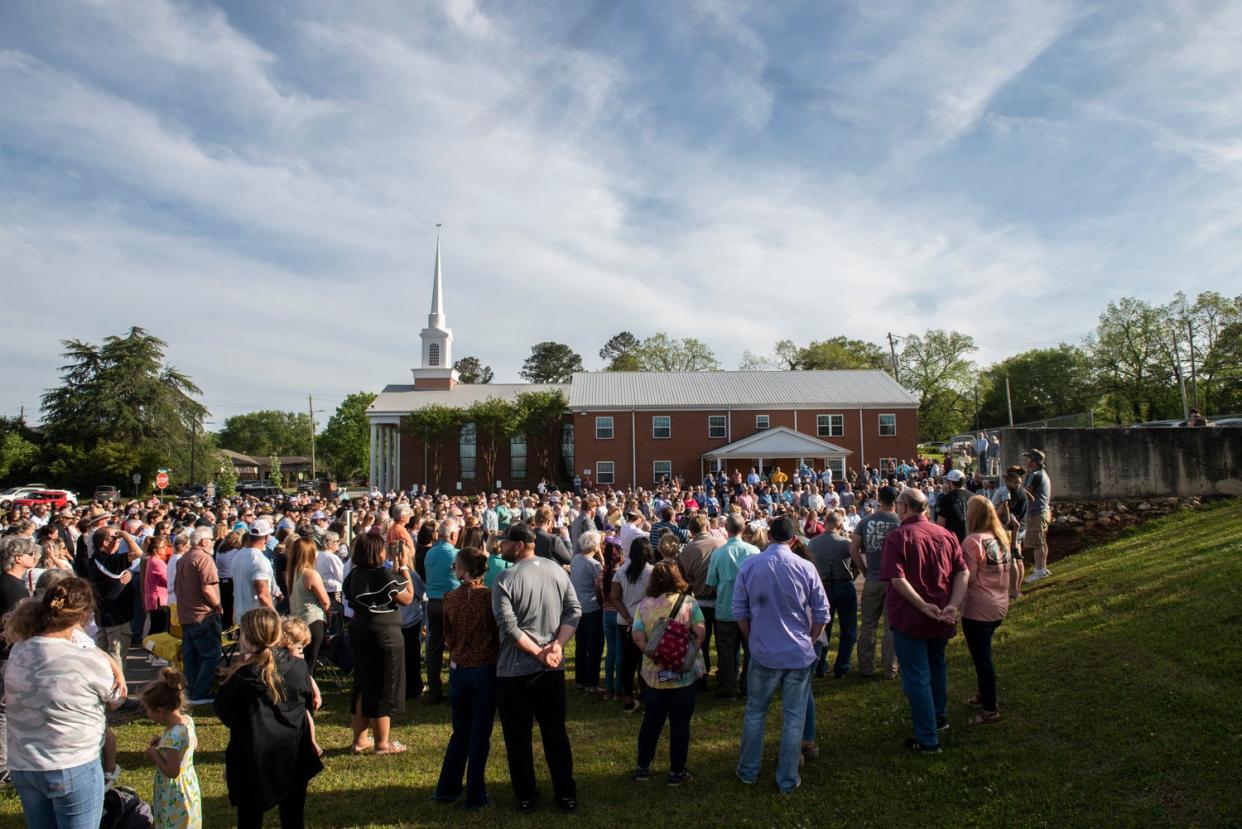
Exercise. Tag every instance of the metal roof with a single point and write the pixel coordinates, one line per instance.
(737, 389)
(405, 399)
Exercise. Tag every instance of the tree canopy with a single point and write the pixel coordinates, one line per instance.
(937, 368)
(472, 371)
(818, 355)
(660, 352)
(346, 439)
(621, 352)
(551, 362)
(268, 432)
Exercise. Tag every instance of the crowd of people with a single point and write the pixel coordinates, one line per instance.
(755, 575)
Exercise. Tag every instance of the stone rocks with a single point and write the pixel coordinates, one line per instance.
(1077, 523)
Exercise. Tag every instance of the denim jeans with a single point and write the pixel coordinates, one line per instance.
(472, 695)
(588, 648)
(200, 651)
(808, 730)
(843, 600)
(979, 642)
(677, 706)
(612, 652)
(65, 799)
(925, 682)
(795, 685)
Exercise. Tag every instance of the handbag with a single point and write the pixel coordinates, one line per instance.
(671, 644)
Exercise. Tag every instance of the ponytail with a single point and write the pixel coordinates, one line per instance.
(261, 628)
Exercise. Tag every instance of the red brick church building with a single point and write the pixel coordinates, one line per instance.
(633, 428)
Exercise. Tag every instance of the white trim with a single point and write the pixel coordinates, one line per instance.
(830, 434)
(724, 427)
(612, 426)
(612, 472)
(880, 424)
(655, 476)
(654, 436)
(767, 422)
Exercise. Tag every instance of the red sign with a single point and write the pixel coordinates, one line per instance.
(161, 480)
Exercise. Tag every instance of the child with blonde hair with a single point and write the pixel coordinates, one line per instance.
(295, 636)
(176, 802)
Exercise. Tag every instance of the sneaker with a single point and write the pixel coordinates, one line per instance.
(942, 723)
(567, 804)
(156, 662)
(918, 748)
(642, 775)
(5, 782)
(527, 807)
(1046, 572)
(1035, 576)
(630, 707)
(739, 776)
(677, 778)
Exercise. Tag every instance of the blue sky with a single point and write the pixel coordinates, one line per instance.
(258, 183)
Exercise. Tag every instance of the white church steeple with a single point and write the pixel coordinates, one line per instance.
(436, 370)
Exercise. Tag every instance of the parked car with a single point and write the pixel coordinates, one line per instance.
(1159, 424)
(195, 491)
(55, 498)
(7, 497)
(937, 447)
(107, 493)
(963, 442)
(1227, 422)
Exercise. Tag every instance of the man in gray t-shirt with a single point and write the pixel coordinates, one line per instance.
(866, 549)
(1038, 488)
(537, 612)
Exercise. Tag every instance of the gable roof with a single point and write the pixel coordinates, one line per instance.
(737, 389)
(780, 442)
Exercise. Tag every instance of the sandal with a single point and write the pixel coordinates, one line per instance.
(394, 747)
(974, 702)
(986, 718)
(364, 748)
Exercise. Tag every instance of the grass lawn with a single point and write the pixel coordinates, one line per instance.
(1119, 682)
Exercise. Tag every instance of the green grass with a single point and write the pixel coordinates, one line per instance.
(1118, 682)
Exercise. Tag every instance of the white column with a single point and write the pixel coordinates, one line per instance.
(396, 439)
(388, 458)
(374, 454)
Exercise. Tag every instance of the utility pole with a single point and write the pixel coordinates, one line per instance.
(1194, 380)
(310, 407)
(1009, 401)
(1181, 382)
(892, 349)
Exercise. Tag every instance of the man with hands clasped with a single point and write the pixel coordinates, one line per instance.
(927, 579)
(536, 612)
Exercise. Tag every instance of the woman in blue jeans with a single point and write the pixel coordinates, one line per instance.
(58, 694)
(473, 642)
(612, 630)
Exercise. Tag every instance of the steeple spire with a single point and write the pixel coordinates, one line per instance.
(436, 318)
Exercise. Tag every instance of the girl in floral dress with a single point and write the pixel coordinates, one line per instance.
(176, 801)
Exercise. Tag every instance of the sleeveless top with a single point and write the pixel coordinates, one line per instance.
(303, 604)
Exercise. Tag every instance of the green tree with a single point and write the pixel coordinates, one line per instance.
(345, 441)
(1044, 383)
(495, 421)
(936, 367)
(660, 352)
(120, 392)
(1129, 354)
(541, 416)
(226, 478)
(18, 451)
(267, 432)
(472, 371)
(274, 475)
(819, 355)
(621, 352)
(551, 362)
(1223, 365)
(434, 425)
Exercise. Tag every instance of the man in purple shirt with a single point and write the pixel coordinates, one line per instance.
(781, 608)
(927, 577)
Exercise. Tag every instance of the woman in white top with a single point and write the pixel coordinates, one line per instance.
(629, 588)
(57, 695)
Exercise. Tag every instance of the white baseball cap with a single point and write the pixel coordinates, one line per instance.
(954, 475)
(262, 527)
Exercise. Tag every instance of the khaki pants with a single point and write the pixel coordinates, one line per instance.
(872, 612)
(115, 641)
(1036, 530)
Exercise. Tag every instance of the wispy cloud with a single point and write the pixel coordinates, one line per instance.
(260, 187)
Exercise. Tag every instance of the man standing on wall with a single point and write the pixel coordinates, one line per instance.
(1038, 488)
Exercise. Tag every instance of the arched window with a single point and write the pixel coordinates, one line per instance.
(433, 354)
(466, 451)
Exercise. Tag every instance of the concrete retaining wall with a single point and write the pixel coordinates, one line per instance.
(1089, 464)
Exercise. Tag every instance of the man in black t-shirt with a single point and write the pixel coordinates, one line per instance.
(951, 506)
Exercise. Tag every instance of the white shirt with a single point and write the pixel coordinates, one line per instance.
(628, 533)
(331, 568)
(172, 578)
(250, 566)
(57, 695)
